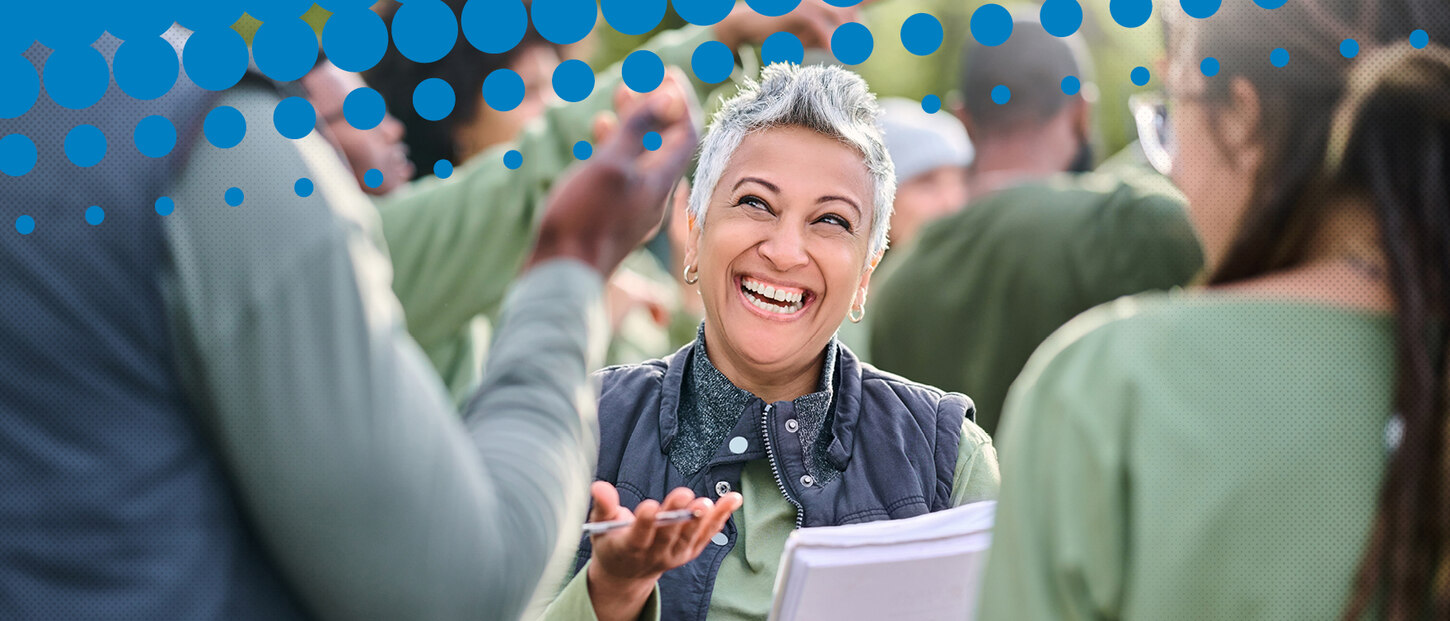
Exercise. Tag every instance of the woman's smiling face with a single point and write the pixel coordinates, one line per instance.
(782, 254)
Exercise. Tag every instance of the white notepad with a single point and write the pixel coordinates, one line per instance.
(927, 567)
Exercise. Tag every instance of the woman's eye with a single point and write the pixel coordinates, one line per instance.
(836, 220)
(753, 201)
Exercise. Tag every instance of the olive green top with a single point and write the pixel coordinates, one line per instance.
(1192, 456)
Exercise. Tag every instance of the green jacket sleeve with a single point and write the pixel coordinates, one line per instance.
(976, 476)
(457, 243)
(1061, 524)
(573, 603)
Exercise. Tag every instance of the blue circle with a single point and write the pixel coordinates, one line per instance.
(1270, 4)
(703, 12)
(364, 108)
(1130, 13)
(234, 196)
(215, 59)
(155, 136)
(496, 26)
(503, 90)
(852, 43)
(643, 71)
(270, 10)
(1349, 48)
(991, 25)
(373, 178)
(712, 62)
(76, 77)
(931, 104)
(633, 17)
(95, 215)
(513, 159)
(164, 206)
(433, 98)
(573, 80)
(355, 40)
(337, 6)
(1060, 18)
(442, 169)
(1279, 57)
(564, 21)
(85, 146)
(424, 30)
(922, 34)
(1071, 85)
(1209, 66)
(22, 86)
(294, 117)
(1419, 39)
(285, 50)
(25, 225)
(17, 155)
(1200, 9)
(1139, 75)
(224, 127)
(782, 47)
(773, 8)
(652, 141)
(141, 20)
(583, 150)
(146, 68)
(303, 187)
(1001, 94)
(71, 24)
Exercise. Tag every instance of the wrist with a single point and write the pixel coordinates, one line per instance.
(615, 597)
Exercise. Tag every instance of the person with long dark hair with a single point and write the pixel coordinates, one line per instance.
(1273, 445)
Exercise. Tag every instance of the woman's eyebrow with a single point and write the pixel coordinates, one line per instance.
(831, 197)
(743, 180)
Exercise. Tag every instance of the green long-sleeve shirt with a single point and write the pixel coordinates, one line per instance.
(746, 577)
(457, 243)
(374, 498)
(1202, 456)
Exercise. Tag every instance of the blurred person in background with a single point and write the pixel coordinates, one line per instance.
(790, 211)
(1271, 446)
(931, 153)
(214, 412)
(1037, 245)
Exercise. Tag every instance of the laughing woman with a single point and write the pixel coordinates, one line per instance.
(789, 214)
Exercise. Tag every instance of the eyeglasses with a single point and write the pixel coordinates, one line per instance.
(1155, 132)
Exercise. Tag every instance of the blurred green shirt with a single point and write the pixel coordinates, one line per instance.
(1193, 456)
(979, 290)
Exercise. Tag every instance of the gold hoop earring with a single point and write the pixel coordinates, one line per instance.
(688, 269)
(856, 314)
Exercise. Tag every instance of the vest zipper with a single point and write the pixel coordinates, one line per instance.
(800, 511)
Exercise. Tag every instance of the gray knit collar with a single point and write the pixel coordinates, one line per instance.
(711, 406)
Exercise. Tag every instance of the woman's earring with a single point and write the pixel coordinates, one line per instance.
(856, 314)
(688, 269)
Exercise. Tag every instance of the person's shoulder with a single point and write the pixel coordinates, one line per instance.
(915, 394)
(640, 376)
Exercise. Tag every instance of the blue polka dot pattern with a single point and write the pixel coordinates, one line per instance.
(146, 68)
(373, 178)
(433, 99)
(294, 117)
(712, 62)
(25, 225)
(285, 50)
(652, 141)
(513, 160)
(76, 77)
(155, 136)
(1071, 85)
(1060, 18)
(17, 155)
(852, 43)
(424, 30)
(95, 215)
(573, 80)
(1001, 94)
(773, 8)
(234, 196)
(355, 40)
(165, 206)
(1419, 39)
(643, 71)
(1130, 13)
(364, 108)
(931, 104)
(215, 59)
(303, 187)
(443, 169)
(1349, 48)
(1279, 57)
(703, 12)
(921, 34)
(1200, 9)
(1209, 66)
(633, 17)
(564, 21)
(1139, 75)
(224, 127)
(583, 150)
(85, 146)
(495, 26)
(782, 47)
(991, 25)
(503, 89)
(22, 86)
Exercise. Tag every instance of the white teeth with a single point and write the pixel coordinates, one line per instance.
(769, 292)
(772, 308)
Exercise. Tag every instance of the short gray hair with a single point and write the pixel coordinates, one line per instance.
(826, 99)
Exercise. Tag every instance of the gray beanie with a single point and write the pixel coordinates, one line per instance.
(919, 141)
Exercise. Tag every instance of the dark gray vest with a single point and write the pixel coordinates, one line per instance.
(113, 504)
(894, 443)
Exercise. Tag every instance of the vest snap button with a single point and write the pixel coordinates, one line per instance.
(719, 539)
(792, 425)
(722, 488)
(807, 481)
(738, 445)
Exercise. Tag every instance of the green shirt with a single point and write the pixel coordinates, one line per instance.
(746, 578)
(979, 290)
(1199, 456)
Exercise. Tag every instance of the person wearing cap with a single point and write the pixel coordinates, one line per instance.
(931, 153)
(980, 289)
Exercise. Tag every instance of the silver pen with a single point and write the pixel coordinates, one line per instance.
(662, 518)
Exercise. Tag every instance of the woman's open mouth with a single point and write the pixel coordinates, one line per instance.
(776, 301)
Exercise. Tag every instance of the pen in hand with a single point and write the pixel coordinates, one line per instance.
(663, 518)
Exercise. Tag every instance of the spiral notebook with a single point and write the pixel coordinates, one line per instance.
(923, 568)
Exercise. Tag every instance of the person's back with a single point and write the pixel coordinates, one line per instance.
(1225, 469)
(981, 289)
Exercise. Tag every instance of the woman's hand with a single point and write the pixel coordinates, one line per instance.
(627, 562)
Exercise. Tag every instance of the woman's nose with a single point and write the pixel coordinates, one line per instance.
(785, 248)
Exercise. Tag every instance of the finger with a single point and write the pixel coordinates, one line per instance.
(606, 502)
(667, 536)
(605, 123)
(627, 141)
(718, 515)
(641, 534)
(667, 164)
